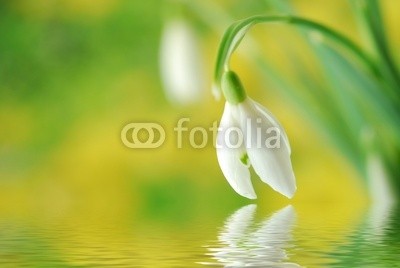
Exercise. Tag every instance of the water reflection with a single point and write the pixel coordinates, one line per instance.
(378, 218)
(375, 243)
(313, 236)
(243, 243)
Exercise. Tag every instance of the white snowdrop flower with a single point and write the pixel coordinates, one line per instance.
(250, 135)
(181, 62)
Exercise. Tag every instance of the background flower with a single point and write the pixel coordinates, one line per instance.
(181, 62)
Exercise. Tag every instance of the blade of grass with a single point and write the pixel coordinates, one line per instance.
(369, 12)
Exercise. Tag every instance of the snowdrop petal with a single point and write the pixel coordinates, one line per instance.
(269, 116)
(272, 165)
(274, 168)
(234, 170)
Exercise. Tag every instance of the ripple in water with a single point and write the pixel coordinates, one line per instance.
(285, 238)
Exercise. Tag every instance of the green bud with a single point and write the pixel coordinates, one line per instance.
(232, 88)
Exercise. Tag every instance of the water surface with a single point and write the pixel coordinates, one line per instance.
(247, 237)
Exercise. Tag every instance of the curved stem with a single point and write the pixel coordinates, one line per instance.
(236, 32)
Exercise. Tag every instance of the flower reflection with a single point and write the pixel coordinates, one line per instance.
(242, 243)
(381, 195)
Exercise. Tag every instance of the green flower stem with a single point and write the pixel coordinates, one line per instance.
(236, 32)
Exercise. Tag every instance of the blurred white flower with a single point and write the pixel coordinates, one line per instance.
(216, 92)
(378, 180)
(244, 138)
(181, 62)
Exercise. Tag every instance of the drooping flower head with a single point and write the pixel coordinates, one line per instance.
(249, 135)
